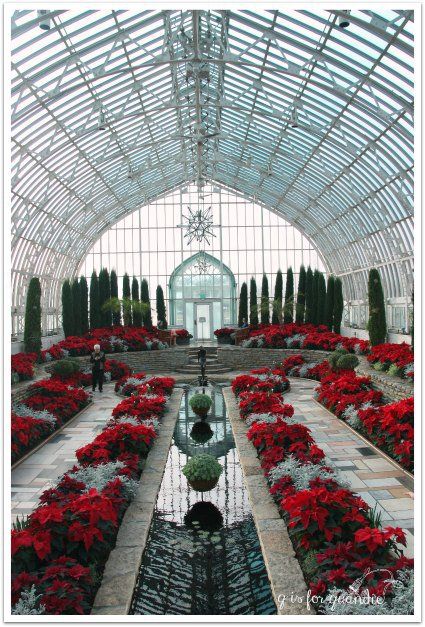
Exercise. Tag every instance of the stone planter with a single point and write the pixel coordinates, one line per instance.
(203, 485)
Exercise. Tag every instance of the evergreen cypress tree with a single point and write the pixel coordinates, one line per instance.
(253, 306)
(144, 298)
(309, 298)
(321, 308)
(104, 297)
(84, 305)
(265, 306)
(338, 305)
(315, 306)
(278, 298)
(32, 325)
(116, 315)
(243, 304)
(94, 302)
(137, 315)
(76, 303)
(288, 309)
(67, 309)
(126, 297)
(161, 313)
(300, 306)
(377, 324)
(330, 294)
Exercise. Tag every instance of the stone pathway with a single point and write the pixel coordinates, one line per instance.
(41, 469)
(377, 480)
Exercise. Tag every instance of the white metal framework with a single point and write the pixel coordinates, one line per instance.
(312, 120)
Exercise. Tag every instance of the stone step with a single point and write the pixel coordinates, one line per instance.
(212, 370)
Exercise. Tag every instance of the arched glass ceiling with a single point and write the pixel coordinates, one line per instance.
(312, 120)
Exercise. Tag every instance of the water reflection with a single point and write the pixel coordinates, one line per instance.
(203, 554)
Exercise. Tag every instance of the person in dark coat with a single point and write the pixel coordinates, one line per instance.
(202, 360)
(97, 360)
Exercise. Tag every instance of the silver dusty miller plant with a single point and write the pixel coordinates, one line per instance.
(22, 410)
(301, 474)
(29, 603)
(99, 476)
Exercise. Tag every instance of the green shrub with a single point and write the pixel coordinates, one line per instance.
(336, 355)
(65, 367)
(202, 467)
(394, 371)
(380, 366)
(377, 325)
(201, 402)
(243, 304)
(32, 328)
(347, 362)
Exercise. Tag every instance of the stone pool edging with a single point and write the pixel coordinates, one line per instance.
(283, 569)
(115, 593)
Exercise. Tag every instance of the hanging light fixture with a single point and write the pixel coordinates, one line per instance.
(101, 122)
(45, 23)
(343, 20)
(294, 118)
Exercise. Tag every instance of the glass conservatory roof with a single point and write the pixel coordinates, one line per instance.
(111, 109)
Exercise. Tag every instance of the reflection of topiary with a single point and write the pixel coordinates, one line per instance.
(202, 467)
(200, 403)
(347, 362)
(204, 516)
(201, 432)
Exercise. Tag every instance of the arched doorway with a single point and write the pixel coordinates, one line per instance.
(202, 295)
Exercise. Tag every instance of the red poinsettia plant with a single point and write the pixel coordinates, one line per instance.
(23, 365)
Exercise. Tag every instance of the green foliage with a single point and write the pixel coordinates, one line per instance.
(315, 306)
(136, 311)
(126, 300)
(76, 303)
(253, 306)
(104, 297)
(347, 362)
(288, 308)
(330, 296)
(116, 315)
(84, 305)
(395, 371)
(94, 301)
(161, 313)
(321, 300)
(243, 304)
(32, 325)
(377, 324)
(20, 523)
(200, 402)
(265, 307)
(300, 306)
(202, 467)
(338, 305)
(65, 367)
(309, 298)
(145, 300)
(67, 309)
(278, 298)
(335, 356)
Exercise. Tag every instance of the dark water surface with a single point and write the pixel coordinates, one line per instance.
(215, 565)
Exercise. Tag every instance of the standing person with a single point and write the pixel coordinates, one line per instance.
(97, 360)
(202, 360)
(244, 324)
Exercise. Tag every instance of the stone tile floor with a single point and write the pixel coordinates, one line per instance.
(377, 480)
(45, 466)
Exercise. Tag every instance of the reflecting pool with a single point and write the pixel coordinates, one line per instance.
(203, 554)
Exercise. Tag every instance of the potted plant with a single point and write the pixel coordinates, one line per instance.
(201, 432)
(225, 335)
(200, 404)
(202, 472)
(183, 337)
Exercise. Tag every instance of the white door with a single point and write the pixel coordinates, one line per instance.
(203, 321)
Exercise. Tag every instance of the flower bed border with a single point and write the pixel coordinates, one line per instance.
(115, 593)
(49, 437)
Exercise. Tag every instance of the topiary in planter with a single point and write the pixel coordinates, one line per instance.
(200, 404)
(347, 362)
(202, 472)
(201, 432)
